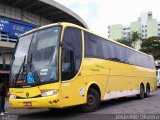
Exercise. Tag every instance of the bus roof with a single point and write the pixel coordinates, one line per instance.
(76, 26)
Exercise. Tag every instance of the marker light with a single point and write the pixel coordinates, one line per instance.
(12, 96)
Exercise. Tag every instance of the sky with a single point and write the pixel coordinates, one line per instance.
(99, 14)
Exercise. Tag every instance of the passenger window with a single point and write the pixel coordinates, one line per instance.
(105, 51)
(151, 62)
(109, 50)
(121, 53)
(145, 60)
(131, 56)
(93, 47)
(112, 51)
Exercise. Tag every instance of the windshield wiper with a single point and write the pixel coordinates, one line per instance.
(22, 66)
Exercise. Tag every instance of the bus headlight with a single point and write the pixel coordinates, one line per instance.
(49, 93)
(12, 96)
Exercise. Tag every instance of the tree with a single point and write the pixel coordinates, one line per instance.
(131, 39)
(134, 37)
(124, 41)
(151, 46)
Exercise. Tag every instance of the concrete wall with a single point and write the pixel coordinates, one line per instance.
(7, 59)
(18, 14)
(135, 27)
(8, 49)
(152, 28)
(115, 31)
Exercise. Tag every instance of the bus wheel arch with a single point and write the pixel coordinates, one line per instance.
(95, 86)
(92, 99)
(147, 93)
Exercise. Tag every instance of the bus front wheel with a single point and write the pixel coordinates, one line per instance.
(93, 101)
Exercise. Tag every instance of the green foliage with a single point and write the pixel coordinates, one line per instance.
(124, 41)
(135, 36)
(131, 39)
(151, 46)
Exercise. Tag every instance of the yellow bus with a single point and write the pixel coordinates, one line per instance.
(62, 65)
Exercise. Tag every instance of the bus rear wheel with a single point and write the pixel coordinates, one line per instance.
(147, 91)
(93, 101)
(142, 92)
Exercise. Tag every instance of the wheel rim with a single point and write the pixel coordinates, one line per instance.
(91, 100)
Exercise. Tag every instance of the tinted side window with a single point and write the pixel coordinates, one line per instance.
(111, 50)
(138, 60)
(90, 46)
(105, 49)
(121, 53)
(145, 60)
(100, 51)
(131, 56)
(151, 62)
(100, 48)
(141, 60)
(71, 52)
(93, 46)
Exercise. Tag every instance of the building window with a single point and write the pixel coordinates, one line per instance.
(142, 30)
(145, 25)
(145, 30)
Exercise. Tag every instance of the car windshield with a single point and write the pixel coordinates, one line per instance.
(36, 58)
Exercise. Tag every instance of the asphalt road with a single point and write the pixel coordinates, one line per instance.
(112, 109)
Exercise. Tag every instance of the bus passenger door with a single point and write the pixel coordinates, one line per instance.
(68, 70)
(67, 75)
(70, 65)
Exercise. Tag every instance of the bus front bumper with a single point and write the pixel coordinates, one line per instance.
(40, 102)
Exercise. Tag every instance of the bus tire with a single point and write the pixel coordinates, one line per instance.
(142, 92)
(93, 101)
(147, 90)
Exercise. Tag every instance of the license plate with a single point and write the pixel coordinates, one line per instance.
(27, 104)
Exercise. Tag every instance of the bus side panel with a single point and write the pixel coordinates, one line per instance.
(114, 80)
(74, 91)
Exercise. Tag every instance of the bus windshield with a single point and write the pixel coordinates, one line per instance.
(36, 58)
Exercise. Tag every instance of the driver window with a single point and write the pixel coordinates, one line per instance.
(68, 67)
(71, 52)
